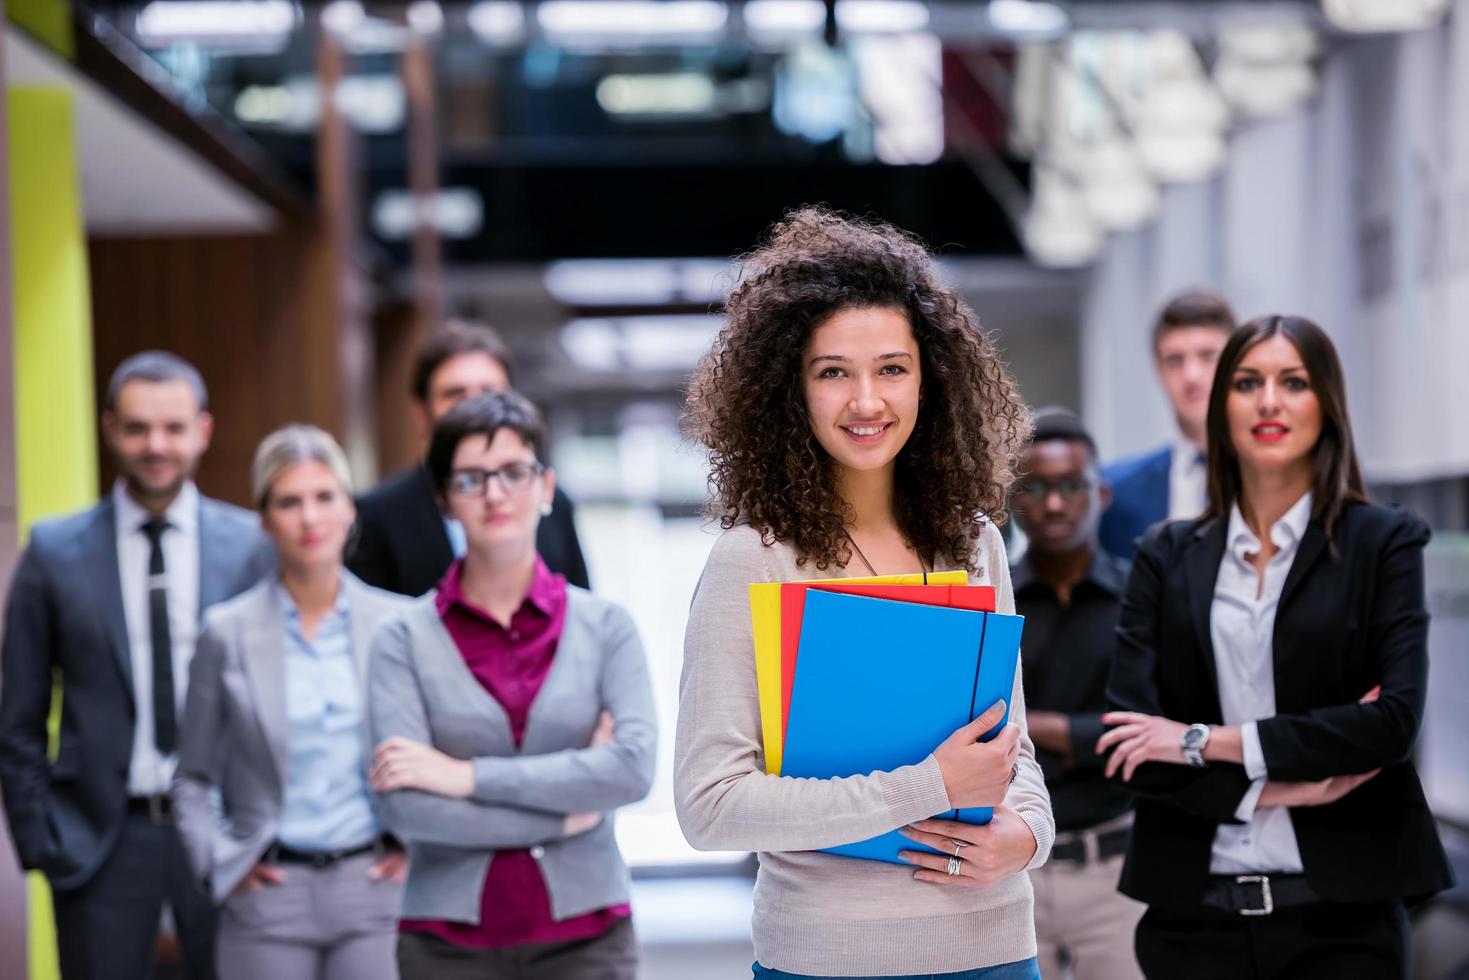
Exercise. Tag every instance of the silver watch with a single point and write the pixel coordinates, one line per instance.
(1194, 740)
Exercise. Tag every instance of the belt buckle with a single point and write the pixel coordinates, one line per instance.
(160, 810)
(1266, 899)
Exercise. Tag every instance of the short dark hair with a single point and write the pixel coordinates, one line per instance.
(1061, 425)
(1195, 308)
(1336, 477)
(453, 338)
(158, 366)
(483, 415)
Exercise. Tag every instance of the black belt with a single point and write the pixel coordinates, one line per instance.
(1258, 894)
(281, 854)
(158, 808)
(1109, 844)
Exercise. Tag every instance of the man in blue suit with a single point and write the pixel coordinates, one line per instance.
(107, 602)
(1169, 483)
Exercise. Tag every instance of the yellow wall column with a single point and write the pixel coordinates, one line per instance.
(55, 414)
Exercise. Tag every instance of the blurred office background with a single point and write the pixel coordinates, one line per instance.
(289, 194)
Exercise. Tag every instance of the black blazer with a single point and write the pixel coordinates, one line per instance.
(403, 546)
(65, 615)
(1350, 617)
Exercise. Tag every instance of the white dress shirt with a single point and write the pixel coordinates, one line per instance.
(150, 771)
(1242, 627)
(1188, 481)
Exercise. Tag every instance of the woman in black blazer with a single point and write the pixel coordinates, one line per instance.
(1267, 691)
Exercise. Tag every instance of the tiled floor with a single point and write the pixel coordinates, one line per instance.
(694, 928)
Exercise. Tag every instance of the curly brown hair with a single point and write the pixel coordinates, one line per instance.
(746, 402)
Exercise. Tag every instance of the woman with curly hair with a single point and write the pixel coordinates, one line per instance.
(858, 422)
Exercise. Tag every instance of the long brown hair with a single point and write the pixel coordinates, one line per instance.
(747, 407)
(1336, 478)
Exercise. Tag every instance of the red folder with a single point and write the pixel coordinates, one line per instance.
(980, 598)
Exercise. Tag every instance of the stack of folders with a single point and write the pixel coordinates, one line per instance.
(863, 675)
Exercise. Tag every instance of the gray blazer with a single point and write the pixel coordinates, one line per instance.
(420, 687)
(233, 756)
(65, 616)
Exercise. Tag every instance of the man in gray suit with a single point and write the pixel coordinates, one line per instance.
(108, 601)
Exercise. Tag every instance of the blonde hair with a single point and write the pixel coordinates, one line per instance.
(295, 444)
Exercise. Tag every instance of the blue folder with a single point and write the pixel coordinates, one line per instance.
(880, 683)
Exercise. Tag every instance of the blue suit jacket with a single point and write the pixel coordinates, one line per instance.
(1139, 499)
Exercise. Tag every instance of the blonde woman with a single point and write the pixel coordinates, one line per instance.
(274, 725)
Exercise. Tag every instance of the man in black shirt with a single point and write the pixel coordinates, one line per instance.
(1070, 592)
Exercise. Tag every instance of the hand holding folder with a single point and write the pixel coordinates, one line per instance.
(881, 683)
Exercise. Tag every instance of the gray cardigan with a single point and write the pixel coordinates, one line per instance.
(419, 687)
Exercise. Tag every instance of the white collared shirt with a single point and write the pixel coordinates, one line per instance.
(150, 772)
(1188, 481)
(1242, 628)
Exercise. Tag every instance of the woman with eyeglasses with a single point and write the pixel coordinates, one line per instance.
(512, 715)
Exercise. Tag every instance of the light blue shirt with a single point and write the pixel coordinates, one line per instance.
(328, 802)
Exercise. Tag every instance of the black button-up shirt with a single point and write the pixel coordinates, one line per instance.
(1067, 653)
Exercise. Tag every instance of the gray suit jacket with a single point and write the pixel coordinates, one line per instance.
(420, 687)
(233, 751)
(65, 615)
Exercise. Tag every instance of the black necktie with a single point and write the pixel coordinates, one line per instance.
(165, 726)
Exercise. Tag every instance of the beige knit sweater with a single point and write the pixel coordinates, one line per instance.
(819, 913)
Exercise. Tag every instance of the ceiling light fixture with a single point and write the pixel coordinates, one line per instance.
(216, 23)
(1028, 18)
(882, 16)
(497, 21)
(766, 17)
(1376, 16)
(644, 18)
(425, 16)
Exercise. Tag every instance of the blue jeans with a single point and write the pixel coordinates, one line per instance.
(1021, 970)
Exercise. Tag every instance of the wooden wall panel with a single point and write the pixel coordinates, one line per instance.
(255, 314)
(398, 329)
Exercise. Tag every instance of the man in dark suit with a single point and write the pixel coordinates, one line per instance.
(1169, 482)
(108, 601)
(404, 542)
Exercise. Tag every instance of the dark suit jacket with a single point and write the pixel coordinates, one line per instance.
(403, 546)
(1139, 499)
(1352, 615)
(65, 614)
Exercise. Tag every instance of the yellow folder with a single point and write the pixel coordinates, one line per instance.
(765, 625)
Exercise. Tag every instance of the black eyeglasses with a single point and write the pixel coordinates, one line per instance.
(515, 478)
(1037, 490)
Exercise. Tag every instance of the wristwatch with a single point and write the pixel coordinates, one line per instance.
(1194, 740)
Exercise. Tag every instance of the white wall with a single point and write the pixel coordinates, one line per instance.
(1354, 212)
